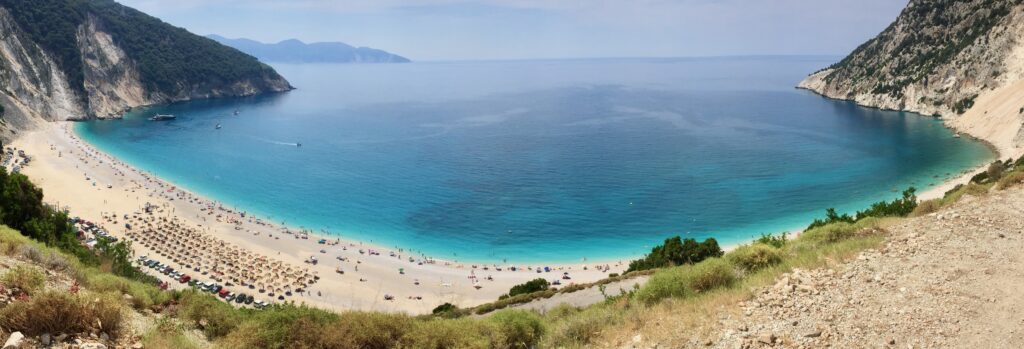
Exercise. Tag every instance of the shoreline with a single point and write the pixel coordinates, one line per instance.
(960, 124)
(93, 185)
(315, 235)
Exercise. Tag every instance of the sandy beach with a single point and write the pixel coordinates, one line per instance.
(101, 189)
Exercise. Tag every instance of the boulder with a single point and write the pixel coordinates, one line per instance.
(14, 341)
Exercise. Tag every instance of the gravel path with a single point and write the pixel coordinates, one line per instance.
(952, 279)
(585, 296)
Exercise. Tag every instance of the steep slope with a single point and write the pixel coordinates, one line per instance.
(940, 57)
(73, 59)
(947, 280)
(295, 51)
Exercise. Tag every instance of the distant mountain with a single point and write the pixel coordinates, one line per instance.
(295, 51)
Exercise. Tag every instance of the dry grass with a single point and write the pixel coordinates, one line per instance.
(926, 207)
(972, 189)
(167, 335)
(1011, 179)
(26, 278)
(143, 296)
(678, 321)
(755, 257)
(62, 312)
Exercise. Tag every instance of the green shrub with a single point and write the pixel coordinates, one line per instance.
(897, 208)
(686, 281)
(831, 232)
(459, 333)
(677, 251)
(448, 310)
(215, 318)
(973, 189)
(520, 329)
(535, 285)
(506, 301)
(772, 240)
(963, 105)
(373, 330)
(831, 217)
(837, 232)
(981, 177)
(287, 326)
(561, 311)
(143, 296)
(166, 334)
(754, 257)
(579, 328)
(443, 308)
(25, 278)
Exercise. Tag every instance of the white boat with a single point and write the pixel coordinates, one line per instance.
(162, 117)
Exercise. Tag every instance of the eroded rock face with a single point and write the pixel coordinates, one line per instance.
(111, 79)
(34, 88)
(936, 58)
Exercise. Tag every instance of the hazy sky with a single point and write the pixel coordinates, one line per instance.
(507, 29)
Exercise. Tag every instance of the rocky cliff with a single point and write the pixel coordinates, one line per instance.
(943, 58)
(63, 59)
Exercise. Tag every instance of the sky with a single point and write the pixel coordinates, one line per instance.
(430, 30)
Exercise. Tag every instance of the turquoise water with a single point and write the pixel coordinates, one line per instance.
(542, 160)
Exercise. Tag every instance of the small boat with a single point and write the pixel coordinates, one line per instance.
(956, 135)
(298, 144)
(236, 111)
(162, 117)
(218, 126)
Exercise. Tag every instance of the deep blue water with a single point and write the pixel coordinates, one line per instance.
(542, 160)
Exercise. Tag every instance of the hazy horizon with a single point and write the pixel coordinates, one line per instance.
(457, 30)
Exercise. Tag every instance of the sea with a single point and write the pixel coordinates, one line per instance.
(555, 161)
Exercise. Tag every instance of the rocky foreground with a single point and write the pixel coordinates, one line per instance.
(951, 279)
